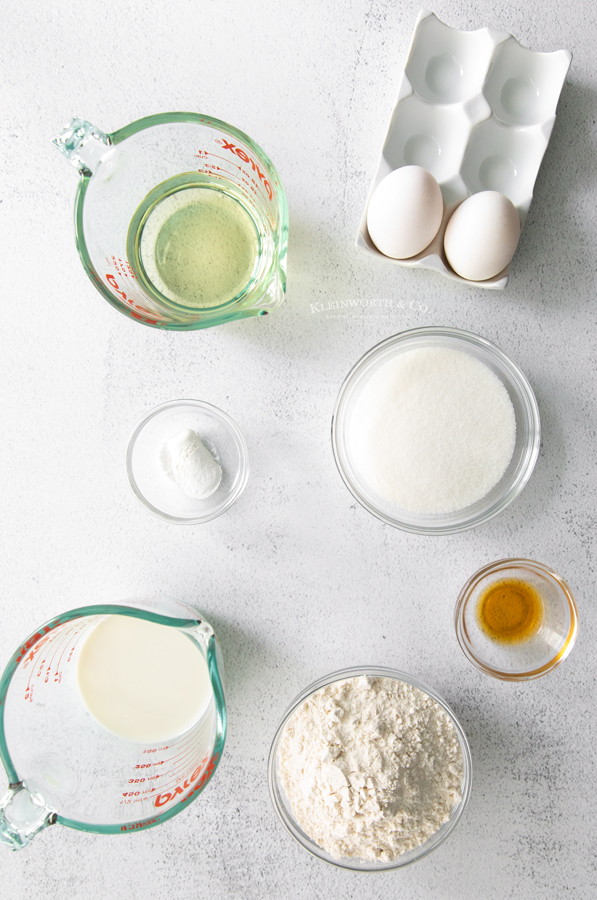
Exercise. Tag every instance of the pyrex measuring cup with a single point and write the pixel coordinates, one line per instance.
(152, 172)
(64, 767)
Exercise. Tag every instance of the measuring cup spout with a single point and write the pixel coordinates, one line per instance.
(23, 815)
(83, 145)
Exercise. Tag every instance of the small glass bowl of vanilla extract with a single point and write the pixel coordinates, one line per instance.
(516, 619)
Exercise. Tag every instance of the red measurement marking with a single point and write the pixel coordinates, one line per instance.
(123, 267)
(182, 762)
(205, 777)
(59, 639)
(36, 637)
(29, 659)
(113, 284)
(61, 633)
(231, 175)
(178, 763)
(187, 748)
(183, 747)
(206, 153)
(167, 796)
(66, 635)
(60, 642)
(228, 176)
(228, 179)
(176, 775)
(31, 656)
(136, 825)
(31, 643)
(226, 145)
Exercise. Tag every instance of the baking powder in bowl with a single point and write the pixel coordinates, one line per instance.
(188, 462)
(433, 430)
(372, 767)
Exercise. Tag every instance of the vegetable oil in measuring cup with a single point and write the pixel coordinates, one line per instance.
(194, 242)
(142, 681)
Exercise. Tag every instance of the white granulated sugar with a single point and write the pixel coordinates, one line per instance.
(433, 430)
(371, 766)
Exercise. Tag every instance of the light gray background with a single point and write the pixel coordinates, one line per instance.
(297, 579)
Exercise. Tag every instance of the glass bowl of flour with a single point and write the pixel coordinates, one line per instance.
(435, 430)
(369, 769)
(187, 461)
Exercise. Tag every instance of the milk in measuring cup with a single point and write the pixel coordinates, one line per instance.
(142, 681)
(195, 242)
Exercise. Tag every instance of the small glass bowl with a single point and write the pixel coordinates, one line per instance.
(156, 490)
(526, 449)
(284, 809)
(531, 658)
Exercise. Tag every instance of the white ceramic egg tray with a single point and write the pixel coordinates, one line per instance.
(476, 109)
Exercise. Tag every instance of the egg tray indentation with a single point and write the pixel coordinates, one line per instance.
(476, 109)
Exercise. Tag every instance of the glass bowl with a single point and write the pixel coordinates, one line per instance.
(282, 804)
(542, 651)
(156, 490)
(526, 448)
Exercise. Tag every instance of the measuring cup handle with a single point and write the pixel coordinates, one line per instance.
(22, 816)
(83, 145)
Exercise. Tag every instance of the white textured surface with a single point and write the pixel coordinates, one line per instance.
(296, 579)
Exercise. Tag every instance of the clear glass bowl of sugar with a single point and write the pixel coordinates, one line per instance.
(526, 441)
(283, 806)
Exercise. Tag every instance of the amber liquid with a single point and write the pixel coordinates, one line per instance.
(510, 611)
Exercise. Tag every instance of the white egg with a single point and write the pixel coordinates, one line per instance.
(482, 235)
(405, 212)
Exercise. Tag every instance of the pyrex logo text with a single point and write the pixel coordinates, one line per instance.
(245, 158)
(167, 796)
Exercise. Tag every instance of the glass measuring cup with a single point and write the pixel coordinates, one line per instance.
(64, 767)
(137, 181)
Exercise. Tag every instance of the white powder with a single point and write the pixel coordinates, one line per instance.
(371, 766)
(188, 462)
(433, 430)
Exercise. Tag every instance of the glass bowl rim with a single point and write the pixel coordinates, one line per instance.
(503, 565)
(382, 672)
(523, 389)
(231, 426)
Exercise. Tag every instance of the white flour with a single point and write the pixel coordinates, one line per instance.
(433, 430)
(372, 767)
